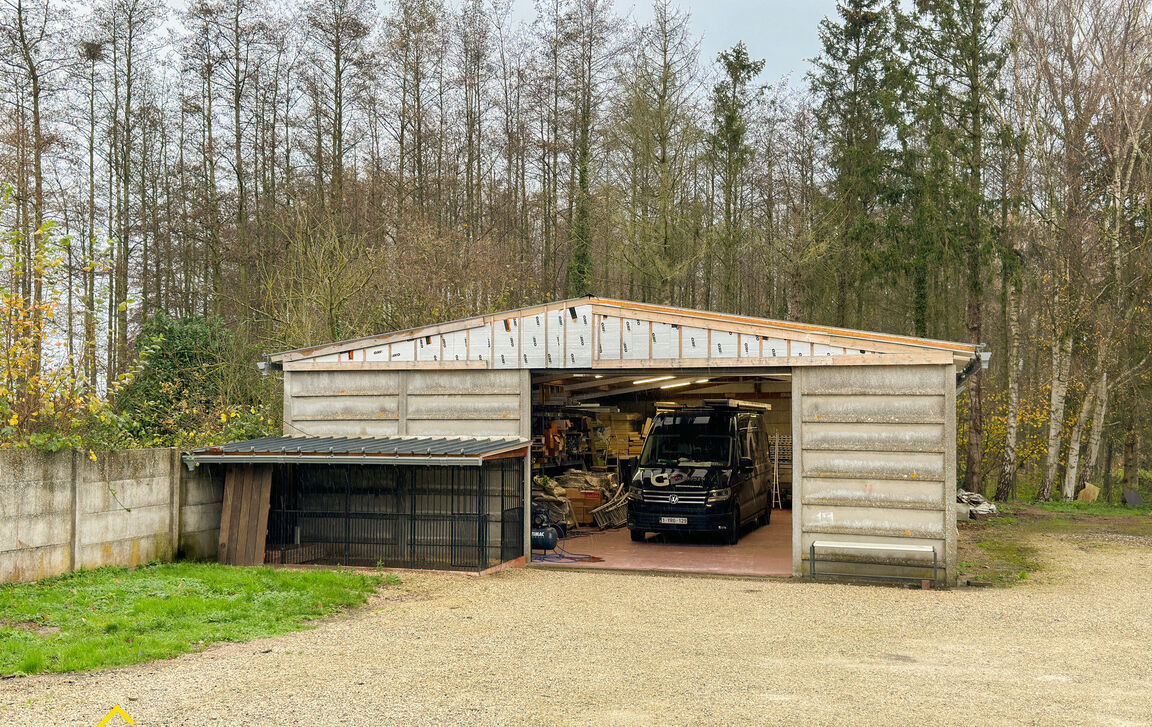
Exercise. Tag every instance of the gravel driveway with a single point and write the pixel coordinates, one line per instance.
(550, 647)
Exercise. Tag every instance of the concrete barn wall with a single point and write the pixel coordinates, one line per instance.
(374, 403)
(37, 498)
(61, 511)
(875, 461)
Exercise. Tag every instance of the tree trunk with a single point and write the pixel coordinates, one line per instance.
(1006, 483)
(1131, 456)
(1094, 438)
(1072, 471)
(1061, 362)
(1108, 473)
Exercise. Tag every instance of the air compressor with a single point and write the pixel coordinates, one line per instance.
(545, 538)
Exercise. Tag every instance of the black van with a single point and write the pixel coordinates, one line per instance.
(702, 469)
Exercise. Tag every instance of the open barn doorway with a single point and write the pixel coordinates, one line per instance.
(679, 469)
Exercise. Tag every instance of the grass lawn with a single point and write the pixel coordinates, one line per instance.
(114, 616)
(1002, 550)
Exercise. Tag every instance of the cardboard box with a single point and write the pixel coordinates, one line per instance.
(583, 503)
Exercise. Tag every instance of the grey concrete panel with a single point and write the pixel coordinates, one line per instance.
(126, 464)
(30, 564)
(199, 545)
(108, 495)
(197, 518)
(473, 406)
(325, 383)
(873, 521)
(884, 493)
(463, 382)
(202, 485)
(345, 407)
(880, 437)
(128, 552)
(873, 408)
(344, 428)
(854, 380)
(35, 531)
(465, 428)
(123, 524)
(873, 465)
(34, 497)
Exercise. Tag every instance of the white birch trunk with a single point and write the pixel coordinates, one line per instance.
(1097, 430)
(1061, 362)
(1008, 463)
(1072, 471)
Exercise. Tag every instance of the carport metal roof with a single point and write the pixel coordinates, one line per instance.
(442, 451)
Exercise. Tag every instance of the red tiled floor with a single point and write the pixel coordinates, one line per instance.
(765, 551)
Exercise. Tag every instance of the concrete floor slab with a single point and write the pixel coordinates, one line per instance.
(763, 551)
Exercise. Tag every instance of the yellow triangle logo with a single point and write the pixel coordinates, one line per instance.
(116, 710)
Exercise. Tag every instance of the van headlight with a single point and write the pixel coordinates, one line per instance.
(719, 495)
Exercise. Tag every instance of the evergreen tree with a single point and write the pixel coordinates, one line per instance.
(959, 47)
(654, 130)
(732, 99)
(922, 212)
(856, 77)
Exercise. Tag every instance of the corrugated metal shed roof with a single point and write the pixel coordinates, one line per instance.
(360, 450)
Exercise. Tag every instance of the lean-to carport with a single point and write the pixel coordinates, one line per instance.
(399, 502)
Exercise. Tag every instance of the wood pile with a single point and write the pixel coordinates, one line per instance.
(623, 434)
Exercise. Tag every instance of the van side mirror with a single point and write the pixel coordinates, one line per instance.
(746, 463)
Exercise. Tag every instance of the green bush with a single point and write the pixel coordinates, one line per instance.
(196, 382)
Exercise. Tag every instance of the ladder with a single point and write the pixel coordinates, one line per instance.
(777, 503)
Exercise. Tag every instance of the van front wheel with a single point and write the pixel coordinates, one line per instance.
(732, 537)
(638, 535)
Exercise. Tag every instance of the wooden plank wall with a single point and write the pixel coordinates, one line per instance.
(244, 514)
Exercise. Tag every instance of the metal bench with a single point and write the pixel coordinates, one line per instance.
(887, 547)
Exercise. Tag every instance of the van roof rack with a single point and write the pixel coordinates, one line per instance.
(737, 404)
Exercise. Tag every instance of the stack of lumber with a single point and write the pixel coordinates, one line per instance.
(622, 433)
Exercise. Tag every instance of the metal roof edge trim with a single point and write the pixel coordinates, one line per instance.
(287, 449)
(192, 460)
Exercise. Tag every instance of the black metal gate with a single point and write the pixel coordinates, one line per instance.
(446, 517)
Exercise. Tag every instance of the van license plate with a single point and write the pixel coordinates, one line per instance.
(673, 521)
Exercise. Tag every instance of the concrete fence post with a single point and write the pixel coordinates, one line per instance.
(175, 498)
(74, 541)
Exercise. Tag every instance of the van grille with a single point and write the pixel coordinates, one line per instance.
(682, 498)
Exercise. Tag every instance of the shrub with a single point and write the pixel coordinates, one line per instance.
(196, 382)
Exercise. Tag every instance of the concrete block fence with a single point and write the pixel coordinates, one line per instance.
(61, 511)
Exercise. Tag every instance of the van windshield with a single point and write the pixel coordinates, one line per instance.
(689, 440)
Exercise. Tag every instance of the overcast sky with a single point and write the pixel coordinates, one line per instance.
(782, 32)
